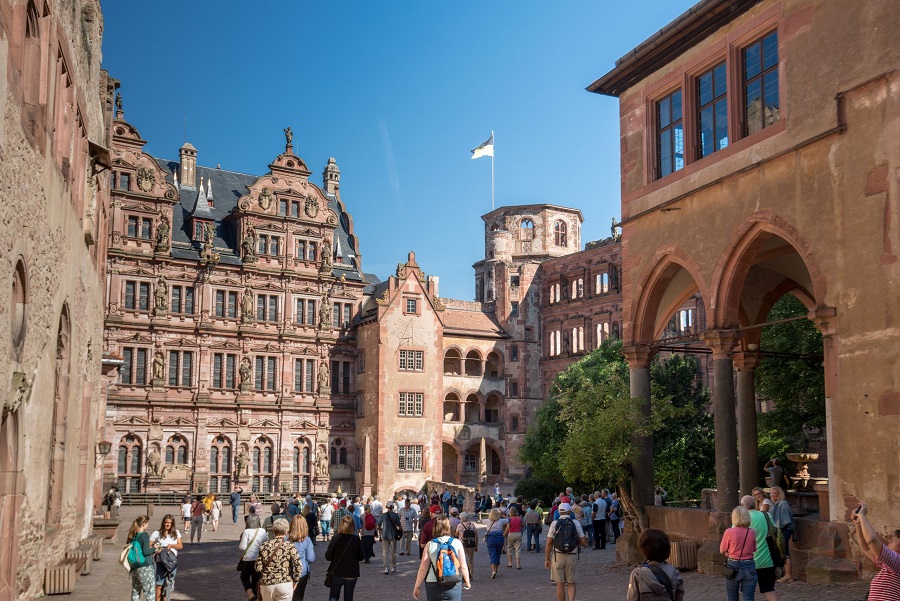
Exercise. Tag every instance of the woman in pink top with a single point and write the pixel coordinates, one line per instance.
(513, 534)
(739, 545)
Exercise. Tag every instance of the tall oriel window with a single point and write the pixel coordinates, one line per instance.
(669, 134)
(712, 111)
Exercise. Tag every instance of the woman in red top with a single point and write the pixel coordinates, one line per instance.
(739, 545)
(513, 534)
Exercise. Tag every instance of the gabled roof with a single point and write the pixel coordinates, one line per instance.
(472, 323)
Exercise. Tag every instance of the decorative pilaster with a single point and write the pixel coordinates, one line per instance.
(722, 343)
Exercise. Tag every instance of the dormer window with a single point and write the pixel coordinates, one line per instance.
(198, 231)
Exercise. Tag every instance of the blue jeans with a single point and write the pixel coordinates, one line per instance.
(533, 530)
(235, 509)
(326, 527)
(337, 582)
(589, 533)
(744, 580)
(436, 592)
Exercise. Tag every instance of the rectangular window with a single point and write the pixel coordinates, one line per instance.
(129, 295)
(199, 233)
(219, 309)
(269, 245)
(124, 181)
(187, 368)
(311, 251)
(514, 281)
(712, 111)
(412, 360)
(140, 367)
(146, 226)
(411, 404)
(273, 308)
(335, 376)
(409, 458)
(471, 462)
(181, 365)
(298, 375)
(232, 304)
(336, 315)
(264, 376)
(309, 376)
(144, 296)
(310, 313)
(514, 308)
(132, 227)
(361, 364)
(514, 423)
(282, 207)
(513, 389)
(602, 283)
(669, 135)
(301, 249)
(266, 307)
(176, 299)
(514, 353)
(348, 310)
(126, 372)
(295, 209)
(299, 304)
(411, 305)
(134, 367)
(529, 333)
(230, 363)
(345, 378)
(182, 300)
(762, 106)
(223, 371)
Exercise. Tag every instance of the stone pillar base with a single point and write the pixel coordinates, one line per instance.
(825, 570)
(627, 552)
(709, 559)
(154, 484)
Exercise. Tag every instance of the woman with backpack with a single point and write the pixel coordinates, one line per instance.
(369, 526)
(467, 532)
(444, 569)
(139, 558)
(167, 542)
(496, 524)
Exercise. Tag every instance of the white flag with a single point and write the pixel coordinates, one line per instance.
(485, 150)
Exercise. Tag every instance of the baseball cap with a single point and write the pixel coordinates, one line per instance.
(565, 507)
(434, 509)
(454, 510)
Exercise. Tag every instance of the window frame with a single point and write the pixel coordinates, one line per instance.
(413, 357)
(410, 404)
(761, 77)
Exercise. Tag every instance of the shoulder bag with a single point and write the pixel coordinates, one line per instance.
(330, 570)
(775, 543)
(247, 548)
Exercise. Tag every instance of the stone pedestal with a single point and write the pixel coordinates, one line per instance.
(832, 570)
(824, 505)
(154, 484)
(709, 559)
(627, 552)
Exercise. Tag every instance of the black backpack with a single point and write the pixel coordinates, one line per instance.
(469, 538)
(565, 540)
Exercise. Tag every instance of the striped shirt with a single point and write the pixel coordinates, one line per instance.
(886, 583)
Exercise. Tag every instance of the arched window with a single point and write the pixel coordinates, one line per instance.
(58, 423)
(31, 74)
(526, 229)
(263, 473)
(220, 465)
(302, 466)
(492, 410)
(494, 365)
(17, 309)
(451, 407)
(452, 362)
(527, 224)
(128, 469)
(176, 450)
(473, 363)
(338, 452)
(473, 409)
(560, 233)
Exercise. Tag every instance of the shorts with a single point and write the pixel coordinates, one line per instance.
(563, 567)
(766, 579)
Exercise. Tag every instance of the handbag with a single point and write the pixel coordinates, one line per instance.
(727, 571)
(241, 560)
(330, 570)
(775, 543)
(398, 527)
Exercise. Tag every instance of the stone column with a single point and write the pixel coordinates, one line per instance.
(748, 445)
(825, 319)
(482, 461)
(639, 357)
(481, 410)
(722, 342)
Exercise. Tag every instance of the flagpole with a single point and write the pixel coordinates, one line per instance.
(492, 171)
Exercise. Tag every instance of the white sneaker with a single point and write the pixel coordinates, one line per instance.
(393, 569)
(387, 571)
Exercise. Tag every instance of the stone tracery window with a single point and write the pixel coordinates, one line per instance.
(176, 450)
(338, 452)
(302, 465)
(560, 233)
(220, 465)
(263, 472)
(128, 466)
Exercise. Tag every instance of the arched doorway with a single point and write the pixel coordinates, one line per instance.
(449, 472)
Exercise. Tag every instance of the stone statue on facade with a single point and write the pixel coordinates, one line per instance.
(326, 258)
(154, 464)
(162, 235)
(244, 371)
(162, 295)
(322, 464)
(288, 136)
(613, 278)
(247, 305)
(159, 364)
(242, 461)
(324, 313)
(248, 246)
(324, 377)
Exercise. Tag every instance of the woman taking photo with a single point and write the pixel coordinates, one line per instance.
(278, 564)
(252, 539)
(167, 537)
(142, 572)
(344, 552)
(299, 535)
(441, 591)
(783, 518)
(738, 545)
(496, 525)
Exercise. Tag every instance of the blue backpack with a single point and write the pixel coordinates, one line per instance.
(135, 554)
(446, 568)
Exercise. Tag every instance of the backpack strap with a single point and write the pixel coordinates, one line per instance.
(662, 577)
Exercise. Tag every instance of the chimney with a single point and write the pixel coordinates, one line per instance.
(331, 177)
(188, 156)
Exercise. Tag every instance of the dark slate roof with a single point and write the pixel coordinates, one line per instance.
(227, 188)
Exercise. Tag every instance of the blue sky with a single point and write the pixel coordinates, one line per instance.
(399, 93)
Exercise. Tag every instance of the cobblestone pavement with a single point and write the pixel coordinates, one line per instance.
(206, 571)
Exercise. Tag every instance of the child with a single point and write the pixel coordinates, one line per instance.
(655, 578)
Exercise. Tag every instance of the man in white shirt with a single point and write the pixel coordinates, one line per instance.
(377, 509)
(563, 563)
(408, 516)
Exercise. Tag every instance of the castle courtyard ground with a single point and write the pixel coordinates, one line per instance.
(207, 572)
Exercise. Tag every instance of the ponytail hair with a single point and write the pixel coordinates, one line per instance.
(139, 521)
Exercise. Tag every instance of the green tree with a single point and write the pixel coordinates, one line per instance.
(796, 385)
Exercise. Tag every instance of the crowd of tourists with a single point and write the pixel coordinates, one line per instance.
(276, 551)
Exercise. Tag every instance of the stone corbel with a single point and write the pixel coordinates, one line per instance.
(825, 319)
